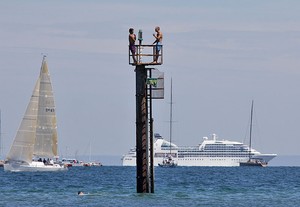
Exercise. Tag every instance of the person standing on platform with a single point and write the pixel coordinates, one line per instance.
(158, 40)
(132, 39)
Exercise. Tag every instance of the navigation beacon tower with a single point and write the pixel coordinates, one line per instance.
(149, 85)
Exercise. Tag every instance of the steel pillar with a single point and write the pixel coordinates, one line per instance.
(142, 141)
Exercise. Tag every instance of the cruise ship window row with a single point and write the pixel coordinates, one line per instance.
(165, 154)
(229, 148)
(210, 155)
(215, 150)
(168, 148)
(216, 153)
(214, 159)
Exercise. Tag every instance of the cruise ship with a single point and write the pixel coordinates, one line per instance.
(211, 152)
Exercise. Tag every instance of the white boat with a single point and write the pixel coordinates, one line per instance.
(69, 162)
(168, 160)
(252, 162)
(92, 164)
(35, 145)
(211, 152)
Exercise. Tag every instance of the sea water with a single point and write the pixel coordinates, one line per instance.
(181, 186)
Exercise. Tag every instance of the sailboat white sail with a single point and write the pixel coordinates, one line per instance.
(36, 138)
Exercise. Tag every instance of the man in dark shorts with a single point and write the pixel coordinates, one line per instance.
(132, 39)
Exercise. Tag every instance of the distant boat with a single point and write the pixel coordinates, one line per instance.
(253, 161)
(168, 160)
(70, 162)
(92, 163)
(35, 145)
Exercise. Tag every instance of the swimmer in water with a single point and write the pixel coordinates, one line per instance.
(80, 193)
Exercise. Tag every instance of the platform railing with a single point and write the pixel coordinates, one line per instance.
(146, 55)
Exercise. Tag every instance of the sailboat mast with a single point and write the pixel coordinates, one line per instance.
(0, 137)
(90, 155)
(251, 118)
(171, 115)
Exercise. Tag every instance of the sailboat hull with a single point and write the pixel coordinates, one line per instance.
(167, 165)
(252, 164)
(33, 167)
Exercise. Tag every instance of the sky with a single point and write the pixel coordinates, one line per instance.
(221, 55)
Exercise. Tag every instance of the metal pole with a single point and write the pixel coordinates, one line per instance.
(171, 117)
(250, 144)
(151, 137)
(142, 148)
(0, 138)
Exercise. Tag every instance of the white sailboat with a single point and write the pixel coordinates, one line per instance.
(168, 160)
(35, 145)
(91, 163)
(252, 161)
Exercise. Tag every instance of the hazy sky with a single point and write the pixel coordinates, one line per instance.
(220, 54)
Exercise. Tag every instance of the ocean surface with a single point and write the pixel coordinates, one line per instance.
(181, 186)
